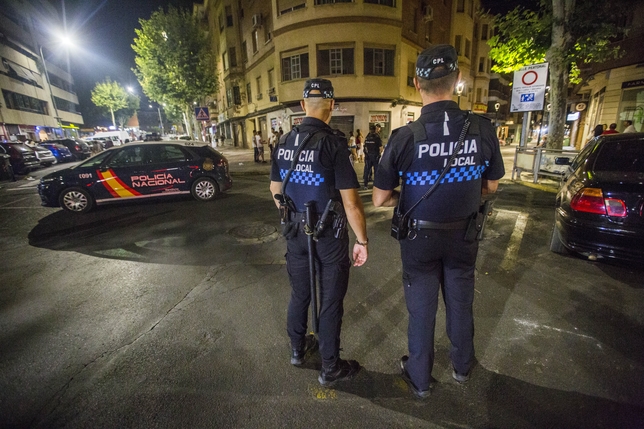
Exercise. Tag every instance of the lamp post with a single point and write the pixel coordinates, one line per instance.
(459, 91)
(51, 92)
(160, 120)
(496, 115)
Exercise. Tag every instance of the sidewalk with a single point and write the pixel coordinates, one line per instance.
(241, 163)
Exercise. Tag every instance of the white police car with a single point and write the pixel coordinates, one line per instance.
(137, 171)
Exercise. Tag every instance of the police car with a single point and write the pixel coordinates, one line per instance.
(138, 171)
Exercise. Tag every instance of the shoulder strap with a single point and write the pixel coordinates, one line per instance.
(418, 129)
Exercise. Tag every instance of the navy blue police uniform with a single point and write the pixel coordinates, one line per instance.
(372, 145)
(323, 168)
(435, 254)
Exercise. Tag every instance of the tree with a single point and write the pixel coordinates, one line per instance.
(174, 62)
(110, 95)
(123, 115)
(566, 34)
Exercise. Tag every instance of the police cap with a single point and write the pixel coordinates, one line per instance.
(437, 61)
(323, 85)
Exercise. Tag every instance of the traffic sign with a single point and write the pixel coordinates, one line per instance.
(529, 88)
(202, 113)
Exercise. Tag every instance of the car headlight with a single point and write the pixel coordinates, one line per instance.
(47, 179)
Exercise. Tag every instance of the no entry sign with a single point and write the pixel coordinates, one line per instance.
(529, 88)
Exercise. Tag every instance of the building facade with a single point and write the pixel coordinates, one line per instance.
(368, 48)
(38, 99)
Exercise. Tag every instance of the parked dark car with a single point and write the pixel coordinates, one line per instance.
(153, 137)
(23, 158)
(60, 152)
(79, 148)
(6, 170)
(44, 155)
(138, 171)
(600, 206)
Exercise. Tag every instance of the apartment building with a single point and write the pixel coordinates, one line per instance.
(368, 48)
(38, 99)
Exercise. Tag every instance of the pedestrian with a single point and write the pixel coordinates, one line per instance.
(629, 127)
(436, 252)
(272, 142)
(612, 129)
(261, 143)
(359, 148)
(372, 150)
(257, 143)
(323, 175)
(281, 132)
(352, 147)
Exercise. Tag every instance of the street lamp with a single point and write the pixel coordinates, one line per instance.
(160, 120)
(459, 91)
(496, 116)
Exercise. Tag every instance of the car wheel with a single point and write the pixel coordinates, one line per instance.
(204, 189)
(76, 200)
(556, 245)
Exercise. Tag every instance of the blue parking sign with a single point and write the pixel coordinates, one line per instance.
(527, 97)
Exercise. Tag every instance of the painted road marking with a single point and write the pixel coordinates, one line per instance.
(512, 251)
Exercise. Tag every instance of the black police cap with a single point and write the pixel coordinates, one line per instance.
(323, 85)
(437, 61)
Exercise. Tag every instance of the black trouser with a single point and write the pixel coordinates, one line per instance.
(370, 162)
(332, 269)
(438, 259)
(256, 153)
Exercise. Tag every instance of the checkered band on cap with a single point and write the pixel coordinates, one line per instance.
(303, 178)
(426, 72)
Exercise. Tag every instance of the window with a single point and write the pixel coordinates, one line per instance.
(468, 47)
(458, 44)
(295, 67)
(460, 5)
(391, 3)
(249, 94)
(411, 72)
(414, 24)
(244, 52)
(130, 156)
(229, 16)
(481, 65)
(236, 95)
(271, 81)
(268, 31)
(429, 27)
(229, 97)
(484, 32)
(479, 93)
(335, 61)
(286, 6)
(224, 60)
(258, 79)
(25, 103)
(255, 38)
(65, 105)
(379, 61)
(166, 153)
(221, 22)
(232, 53)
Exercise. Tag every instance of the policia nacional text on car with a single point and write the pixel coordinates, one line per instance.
(316, 189)
(446, 160)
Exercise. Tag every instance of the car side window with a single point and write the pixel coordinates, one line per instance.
(581, 156)
(130, 156)
(168, 153)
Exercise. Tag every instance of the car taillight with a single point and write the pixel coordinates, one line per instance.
(77, 147)
(591, 200)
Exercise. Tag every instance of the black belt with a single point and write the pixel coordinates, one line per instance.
(418, 224)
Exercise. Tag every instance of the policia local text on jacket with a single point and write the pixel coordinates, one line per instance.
(435, 254)
(322, 172)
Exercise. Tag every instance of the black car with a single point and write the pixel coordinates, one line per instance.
(138, 171)
(61, 153)
(23, 158)
(153, 137)
(79, 148)
(6, 169)
(600, 207)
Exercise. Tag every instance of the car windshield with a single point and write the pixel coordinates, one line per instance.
(627, 157)
(95, 160)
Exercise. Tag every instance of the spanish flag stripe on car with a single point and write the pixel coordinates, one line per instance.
(115, 186)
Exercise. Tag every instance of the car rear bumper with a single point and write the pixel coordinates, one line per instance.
(587, 237)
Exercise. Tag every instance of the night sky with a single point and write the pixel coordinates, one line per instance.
(103, 31)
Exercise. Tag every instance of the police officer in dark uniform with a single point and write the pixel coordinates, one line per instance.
(322, 172)
(372, 149)
(435, 252)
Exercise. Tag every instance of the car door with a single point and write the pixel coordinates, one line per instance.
(125, 175)
(171, 168)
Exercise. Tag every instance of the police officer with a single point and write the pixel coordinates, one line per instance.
(372, 149)
(434, 253)
(322, 172)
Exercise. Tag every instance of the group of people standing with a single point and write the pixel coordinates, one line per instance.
(435, 209)
(368, 150)
(259, 142)
(603, 130)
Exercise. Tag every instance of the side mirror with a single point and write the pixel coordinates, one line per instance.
(562, 160)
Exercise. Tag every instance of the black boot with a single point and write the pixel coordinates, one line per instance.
(342, 370)
(298, 356)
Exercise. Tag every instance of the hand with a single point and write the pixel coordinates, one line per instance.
(360, 255)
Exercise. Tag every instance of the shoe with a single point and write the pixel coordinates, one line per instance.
(341, 371)
(298, 356)
(420, 394)
(460, 378)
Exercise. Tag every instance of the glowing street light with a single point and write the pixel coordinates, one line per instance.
(459, 90)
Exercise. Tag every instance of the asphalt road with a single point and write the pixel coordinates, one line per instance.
(172, 314)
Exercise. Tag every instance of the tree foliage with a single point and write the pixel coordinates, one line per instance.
(174, 62)
(110, 95)
(123, 115)
(566, 34)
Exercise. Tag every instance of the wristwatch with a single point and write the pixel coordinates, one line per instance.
(362, 243)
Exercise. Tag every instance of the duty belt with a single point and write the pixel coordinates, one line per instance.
(418, 224)
(300, 217)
